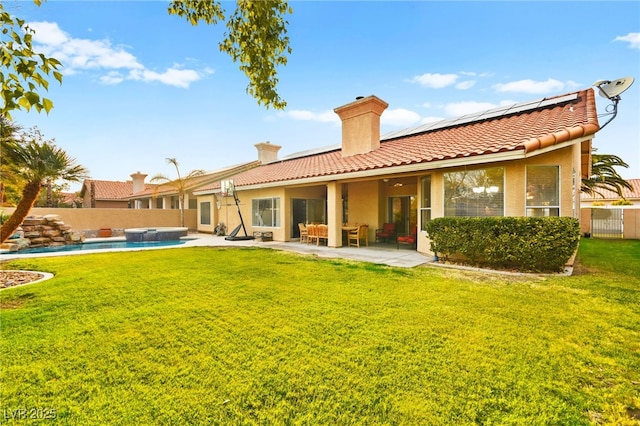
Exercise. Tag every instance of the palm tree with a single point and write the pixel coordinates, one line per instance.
(181, 184)
(604, 175)
(8, 132)
(36, 161)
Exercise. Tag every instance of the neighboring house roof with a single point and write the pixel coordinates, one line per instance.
(69, 197)
(516, 131)
(627, 194)
(165, 189)
(107, 189)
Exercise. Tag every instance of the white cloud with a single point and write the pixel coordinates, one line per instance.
(426, 120)
(435, 81)
(464, 85)
(48, 33)
(112, 77)
(399, 117)
(172, 77)
(632, 38)
(322, 117)
(531, 86)
(115, 62)
(462, 108)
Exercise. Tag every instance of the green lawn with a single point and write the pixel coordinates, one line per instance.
(256, 336)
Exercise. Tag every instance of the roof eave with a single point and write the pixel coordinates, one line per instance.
(518, 154)
(406, 168)
(214, 177)
(571, 135)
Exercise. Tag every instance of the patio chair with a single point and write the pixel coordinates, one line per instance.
(409, 239)
(387, 233)
(312, 233)
(361, 233)
(303, 232)
(323, 234)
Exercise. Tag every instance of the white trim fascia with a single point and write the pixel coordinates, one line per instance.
(206, 192)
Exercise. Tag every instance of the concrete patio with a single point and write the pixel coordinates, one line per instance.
(386, 254)
(380, 254)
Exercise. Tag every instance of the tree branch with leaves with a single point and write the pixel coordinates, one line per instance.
(23, 71)
(255, 38)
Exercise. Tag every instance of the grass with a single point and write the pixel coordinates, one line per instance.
(255, 336)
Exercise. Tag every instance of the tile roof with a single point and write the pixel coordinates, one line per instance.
(197, 183)
(525, 129)
(627, 194)
(69, 197)
(107, 189)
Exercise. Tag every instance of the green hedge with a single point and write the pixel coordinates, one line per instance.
(527, 244)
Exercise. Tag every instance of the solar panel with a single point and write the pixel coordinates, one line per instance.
(480, 116)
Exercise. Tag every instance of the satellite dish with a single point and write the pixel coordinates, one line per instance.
(613, 89)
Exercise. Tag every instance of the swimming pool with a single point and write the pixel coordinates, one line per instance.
(98, 245)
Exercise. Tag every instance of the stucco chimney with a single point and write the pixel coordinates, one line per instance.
(361, 125)
(138, 181)
(267, 152)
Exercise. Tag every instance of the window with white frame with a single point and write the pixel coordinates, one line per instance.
(425, 202)
(543, 191)
(205, 213)
(474, 193)
(265, 212)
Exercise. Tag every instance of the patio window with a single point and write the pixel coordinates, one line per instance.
(425, 206)
(205, 213)
(265, 212)
(543, 191)
(474, 193)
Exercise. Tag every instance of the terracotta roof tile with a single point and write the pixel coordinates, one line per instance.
(627, 194)
(525, 130)
(107, 189)
(198, 183)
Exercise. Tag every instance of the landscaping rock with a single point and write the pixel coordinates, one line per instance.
(45, 231)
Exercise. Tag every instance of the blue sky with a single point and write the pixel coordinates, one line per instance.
(140, 85)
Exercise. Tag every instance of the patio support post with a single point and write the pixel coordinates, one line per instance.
(334, 214)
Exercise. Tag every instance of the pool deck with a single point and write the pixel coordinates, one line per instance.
(380, 254)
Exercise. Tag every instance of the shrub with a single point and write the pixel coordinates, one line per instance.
(621, 202)
(531, 244)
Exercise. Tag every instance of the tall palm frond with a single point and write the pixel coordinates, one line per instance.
(180, 185)
(604, 176)
(36, 162)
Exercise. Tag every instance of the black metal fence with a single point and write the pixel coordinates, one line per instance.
(607, 223)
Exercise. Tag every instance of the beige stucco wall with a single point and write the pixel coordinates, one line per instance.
(515, 182)
(104, 204)
(228, 212)
(367, 198)
(585, 221)
(207, 228)
(632, 224)
(515, 185)
(364, 202)
(94, 219)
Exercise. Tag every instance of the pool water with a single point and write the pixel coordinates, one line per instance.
(99, 245)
